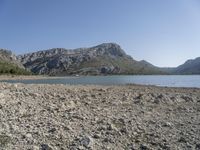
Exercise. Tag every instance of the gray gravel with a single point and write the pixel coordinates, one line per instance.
(130, 117)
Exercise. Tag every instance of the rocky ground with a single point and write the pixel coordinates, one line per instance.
(61, 117)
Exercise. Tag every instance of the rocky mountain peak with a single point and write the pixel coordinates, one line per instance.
(109, 45)
(110, 49)
(57, 50)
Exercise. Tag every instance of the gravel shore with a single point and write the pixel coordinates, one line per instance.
(129, 117)
(31, 77)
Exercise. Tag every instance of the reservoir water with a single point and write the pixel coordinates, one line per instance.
(158, 80)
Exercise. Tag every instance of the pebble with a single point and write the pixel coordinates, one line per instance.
(1, 95)
(143, 147)
(198, 146)
(64, 121)
(86, 141)
(96, 136)
(167, 124)
(36, 147)
(45, 147)
(111, 126)
(52, 130)
(182, 140)
(29, 135)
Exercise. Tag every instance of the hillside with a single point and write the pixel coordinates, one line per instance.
(107, 58)
(9, 57)
(9, 64)
(191, 66)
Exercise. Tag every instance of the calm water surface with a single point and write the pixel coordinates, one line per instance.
(159, 80)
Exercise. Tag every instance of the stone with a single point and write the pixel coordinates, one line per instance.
(29, 135)
(71, 104)
(1, 95)
(86, 141)
(167, 124)
(131, 146)
(143, 147)
(106, 140)
(186, 98)
(156, 101)
(198, 146)
(36, 147)
(97, 136)
(160, 96)
(111, 126)
(123, 130)
(81, 147)
(45, 147)
(52, 130)
(182, 140)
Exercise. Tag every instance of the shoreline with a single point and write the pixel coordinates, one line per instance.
(34, 116)
(19, 79)
(31, 77)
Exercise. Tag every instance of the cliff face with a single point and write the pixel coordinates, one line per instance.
(107, 58)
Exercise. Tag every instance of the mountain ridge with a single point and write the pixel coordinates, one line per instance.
(105, 58)
(191, 66)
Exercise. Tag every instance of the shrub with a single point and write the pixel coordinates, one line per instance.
(8, 68)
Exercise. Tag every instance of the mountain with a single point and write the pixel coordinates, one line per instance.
(9, 57)
(191, 66)
(107, 58)
(9, 63)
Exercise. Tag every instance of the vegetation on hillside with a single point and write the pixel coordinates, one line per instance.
(126, 65)
(9, 68)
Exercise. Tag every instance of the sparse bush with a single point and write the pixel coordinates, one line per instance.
(8, 68)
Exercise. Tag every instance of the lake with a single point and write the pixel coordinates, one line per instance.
(158, 80)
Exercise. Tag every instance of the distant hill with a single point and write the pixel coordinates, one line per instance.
(107, 58)
(9, 64)
(191, 66)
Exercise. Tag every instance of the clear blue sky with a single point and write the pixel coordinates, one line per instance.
(163, 32)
